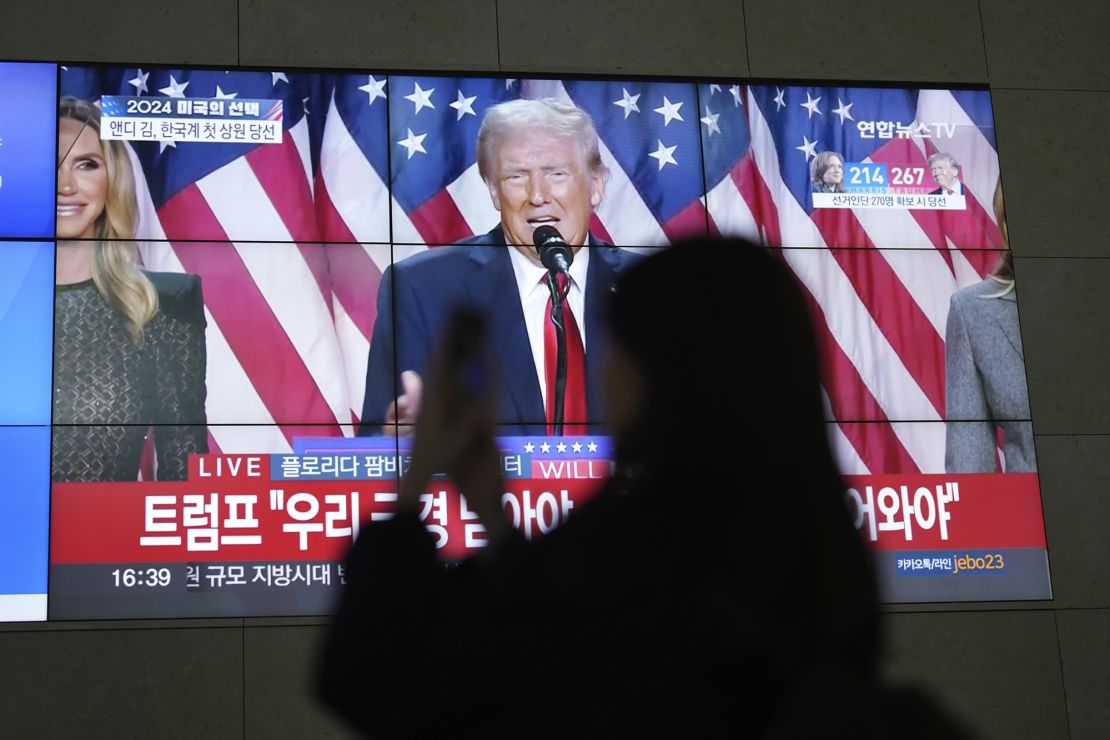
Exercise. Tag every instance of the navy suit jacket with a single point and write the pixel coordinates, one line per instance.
(418, 296)
(958, 190)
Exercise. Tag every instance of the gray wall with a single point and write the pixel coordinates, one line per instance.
(1009, 670)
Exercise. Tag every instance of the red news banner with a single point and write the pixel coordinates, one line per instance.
(233, 509)
(309, 506)
(249, 520)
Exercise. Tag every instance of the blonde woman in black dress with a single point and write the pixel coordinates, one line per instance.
(129, 352)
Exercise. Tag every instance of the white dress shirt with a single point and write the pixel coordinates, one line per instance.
(532, 286)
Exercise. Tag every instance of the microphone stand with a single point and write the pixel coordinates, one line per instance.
(557, 298)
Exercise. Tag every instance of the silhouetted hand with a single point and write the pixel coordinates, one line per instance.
(454, 430)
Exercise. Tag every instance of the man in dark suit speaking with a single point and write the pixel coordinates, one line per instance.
(542, 164)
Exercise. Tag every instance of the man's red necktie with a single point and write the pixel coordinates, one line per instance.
(574, 400)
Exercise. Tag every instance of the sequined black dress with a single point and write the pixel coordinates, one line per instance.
(108, 391)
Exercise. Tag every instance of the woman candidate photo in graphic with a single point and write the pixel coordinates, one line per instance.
(827, 173)
(984, 381)
(129, 351)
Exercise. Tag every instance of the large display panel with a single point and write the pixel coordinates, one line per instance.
(276, 253)
(934, 496)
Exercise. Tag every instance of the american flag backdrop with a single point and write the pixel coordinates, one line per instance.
(649, 141)
(878, 281)
(291, 240)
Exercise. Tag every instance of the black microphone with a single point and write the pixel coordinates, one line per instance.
(556, 256)
(555, 253)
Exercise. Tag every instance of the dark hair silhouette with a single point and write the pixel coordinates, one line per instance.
(733, 430)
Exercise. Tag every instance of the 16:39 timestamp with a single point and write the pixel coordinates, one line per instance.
(149, 577)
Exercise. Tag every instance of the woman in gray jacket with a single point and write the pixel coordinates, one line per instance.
(985, 389)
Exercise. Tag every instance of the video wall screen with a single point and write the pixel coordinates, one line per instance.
(223, 333)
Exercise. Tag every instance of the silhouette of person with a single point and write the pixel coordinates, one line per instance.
(716, 570)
